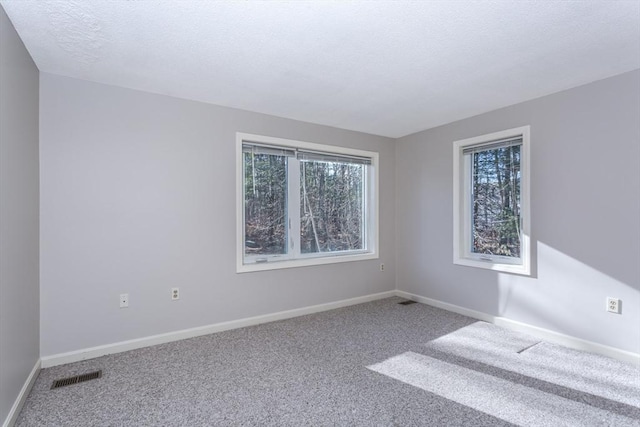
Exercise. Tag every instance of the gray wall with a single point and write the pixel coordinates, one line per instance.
(19, 288)
(585, 204)
(138, 196)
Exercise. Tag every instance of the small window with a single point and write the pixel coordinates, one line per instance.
(304, 204)
(491, 201)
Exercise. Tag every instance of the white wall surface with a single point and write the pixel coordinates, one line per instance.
(138, 196)
(585, 207)
(19, 288)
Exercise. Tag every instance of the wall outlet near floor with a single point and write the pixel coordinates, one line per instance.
(381, 267)
(175, 294)
(124, 300)
(614, 305)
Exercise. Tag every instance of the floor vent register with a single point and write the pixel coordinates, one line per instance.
(77, 379)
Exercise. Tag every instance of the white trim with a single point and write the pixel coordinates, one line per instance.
(305, 262)
(542, 333)
(446, 306)
(461, 231)
(372, 213)
(311, 146)
(12, 416)
(239, 202)
(103, 350)
(293, 199)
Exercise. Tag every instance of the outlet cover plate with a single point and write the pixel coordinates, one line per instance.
(124, 300)
(614, 305)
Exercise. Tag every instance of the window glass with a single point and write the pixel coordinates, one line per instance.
(491, 205)
(332, 211)
(301, 203)
(265, 204)
(496, 202)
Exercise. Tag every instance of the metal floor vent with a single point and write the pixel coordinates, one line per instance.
(407, 302)
(77, 379)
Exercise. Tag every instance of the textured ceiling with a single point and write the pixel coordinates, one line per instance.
(386, 68)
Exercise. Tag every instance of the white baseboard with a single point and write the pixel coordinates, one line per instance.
(22, 396)
(103, 350)
(446, 306)
(545, 334)
(542, 333)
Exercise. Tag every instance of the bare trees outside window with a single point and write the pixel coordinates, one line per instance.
(331, 206)
(491, 224)
(304, 203)
(265, 192)
(496, 201)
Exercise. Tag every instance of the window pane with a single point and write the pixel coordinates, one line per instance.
(496, 202)
(331, 206)
(265, 204)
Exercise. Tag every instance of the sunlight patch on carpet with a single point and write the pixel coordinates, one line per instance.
(502, 348)
(497, 397)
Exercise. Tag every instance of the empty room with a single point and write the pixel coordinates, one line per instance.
(319, 213)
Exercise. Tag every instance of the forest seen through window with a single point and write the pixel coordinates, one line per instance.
(332, 205)
(496, 202)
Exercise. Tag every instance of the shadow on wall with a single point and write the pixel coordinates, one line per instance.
(570, 297)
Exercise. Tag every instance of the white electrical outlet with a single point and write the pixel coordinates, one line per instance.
(381, 267)
(614, 305)
(124, 300)
(175, 293)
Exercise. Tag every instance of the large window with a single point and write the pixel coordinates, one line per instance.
(491, 201)
(304, 204)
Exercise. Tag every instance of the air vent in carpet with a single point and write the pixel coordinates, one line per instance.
(407, 302)
(77, 379)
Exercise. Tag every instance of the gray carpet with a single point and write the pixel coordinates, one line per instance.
(374, 364)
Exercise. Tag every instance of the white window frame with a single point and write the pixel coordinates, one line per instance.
(294, 258)
(462, 200)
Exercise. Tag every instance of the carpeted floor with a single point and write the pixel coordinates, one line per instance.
(374, 364)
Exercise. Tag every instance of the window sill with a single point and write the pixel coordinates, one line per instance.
(522, 269)
(303, 262)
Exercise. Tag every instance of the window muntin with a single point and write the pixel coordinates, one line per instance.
(491, 205)
(303, 204)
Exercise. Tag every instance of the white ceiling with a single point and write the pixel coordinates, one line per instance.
(387, 67)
